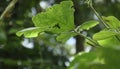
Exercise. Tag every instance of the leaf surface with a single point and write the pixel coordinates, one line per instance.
(83, 60)
(64, 37)
(30, 32)
(57, 19)
(112, 22)
(58, 16)
(104, 34)
(89, 24)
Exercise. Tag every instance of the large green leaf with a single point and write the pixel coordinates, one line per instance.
(89, 24)
(59, 16)
(104, 34)
(31, 32)
(112, 22)
(57, 19)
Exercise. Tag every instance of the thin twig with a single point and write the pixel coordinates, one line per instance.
(96, 13)
(8, 8)
(91, 40)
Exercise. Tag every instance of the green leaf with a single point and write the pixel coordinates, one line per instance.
(59, 16)
(109, 42)
(102, 58)
(57, 19)
(83, 60)
(89, 24)
(30, 32)
(104, 34)
(65, 36)
(110, 56)
(112, 22)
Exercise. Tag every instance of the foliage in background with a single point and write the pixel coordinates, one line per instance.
(47, 53)
(15, 52)
(97, 59)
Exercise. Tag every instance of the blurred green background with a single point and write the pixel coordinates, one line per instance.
(43, 52)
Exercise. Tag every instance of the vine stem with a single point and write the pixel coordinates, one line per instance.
(96, 13)
(8, 8)
(99, 17)
(91, 40)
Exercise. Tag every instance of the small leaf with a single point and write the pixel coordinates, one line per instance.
(109, 42)
(89, 24)
(30, 32)
(112, 22)
(65, 36)
(104, 34)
